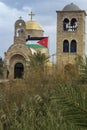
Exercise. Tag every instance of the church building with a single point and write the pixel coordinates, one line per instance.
(70, 35)
(17, 55)
(70, 41)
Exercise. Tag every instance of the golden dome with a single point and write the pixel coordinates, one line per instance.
(33, 25)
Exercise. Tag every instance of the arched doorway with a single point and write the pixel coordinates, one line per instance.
(18, 70)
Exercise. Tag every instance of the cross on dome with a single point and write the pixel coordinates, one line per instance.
(31, 14)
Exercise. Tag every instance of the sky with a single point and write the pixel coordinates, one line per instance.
(45, 15)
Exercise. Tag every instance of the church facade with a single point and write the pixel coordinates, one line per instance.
(17, 55)
(70, 35)
(70, 41)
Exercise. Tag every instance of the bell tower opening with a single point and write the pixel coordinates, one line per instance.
(18, 70)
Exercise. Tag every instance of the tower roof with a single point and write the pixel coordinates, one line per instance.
(71, 7)
(33, 25)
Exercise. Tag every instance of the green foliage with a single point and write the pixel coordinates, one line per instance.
(37, 59)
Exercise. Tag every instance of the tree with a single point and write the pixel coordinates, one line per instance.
(38, 60)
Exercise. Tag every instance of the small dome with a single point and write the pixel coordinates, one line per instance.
(33, 25)
(71, 7)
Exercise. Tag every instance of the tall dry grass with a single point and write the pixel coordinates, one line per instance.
(43, 101)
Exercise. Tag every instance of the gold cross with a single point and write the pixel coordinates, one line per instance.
(31, 14)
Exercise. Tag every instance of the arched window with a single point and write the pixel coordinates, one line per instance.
(73, 46)
(19, 32)
(66, 24)
(65, 46)
(74, 24)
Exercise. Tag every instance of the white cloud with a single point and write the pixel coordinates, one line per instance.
(8, 16)
(26, 8)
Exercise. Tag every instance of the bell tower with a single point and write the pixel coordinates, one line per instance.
(70, 35)
(19, 34)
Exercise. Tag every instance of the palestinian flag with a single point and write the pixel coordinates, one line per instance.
(37, 42)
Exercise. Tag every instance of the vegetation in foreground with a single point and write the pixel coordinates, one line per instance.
(44, 102)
